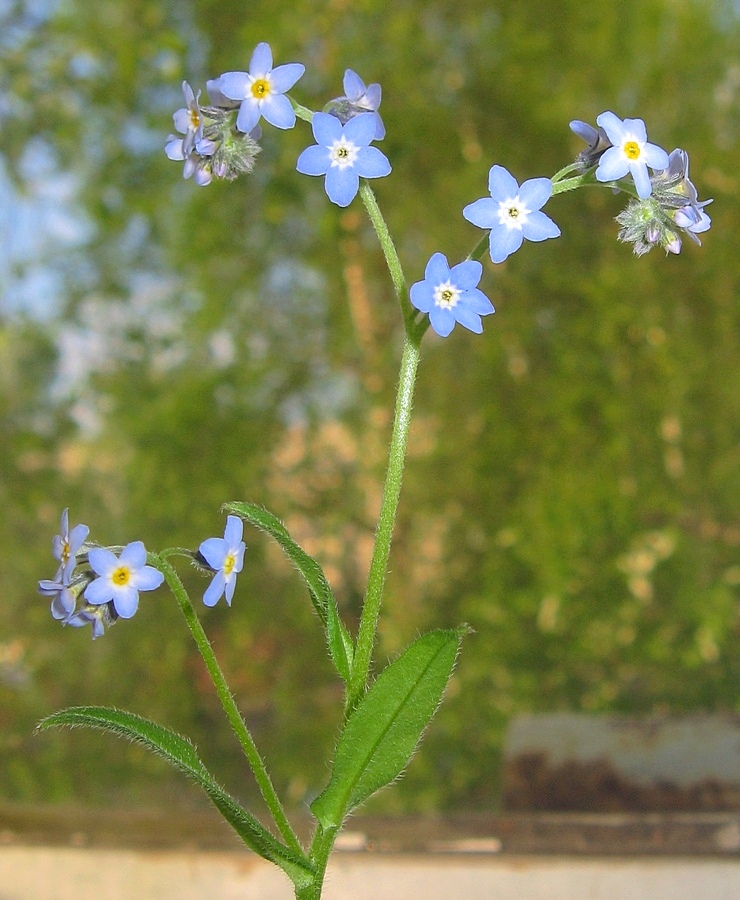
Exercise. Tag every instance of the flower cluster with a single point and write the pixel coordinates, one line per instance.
(667, 201)
(221, 140)
(94, 586)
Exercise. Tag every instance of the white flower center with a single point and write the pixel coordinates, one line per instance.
(343, 153)
(446, 295)
(512, 213)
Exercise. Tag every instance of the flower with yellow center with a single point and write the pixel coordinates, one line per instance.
(630, 153)
(261, 91)
(225, 557)
(120, 578)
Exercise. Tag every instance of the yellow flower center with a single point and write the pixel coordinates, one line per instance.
(229, 564)
(194, 119)
(121, 576)
(260, 88)
(513, 212)
(631, 149)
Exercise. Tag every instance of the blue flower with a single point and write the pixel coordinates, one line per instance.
(512, 213)
(597, 141)
(121, 578)
(358, 98)
(198, 160)
(188, 120)
(342, 154)
(261, 91)
(225, 556)
(65, 547)
(63, 599)
(451, 295)
(630, 153)
(675, 191)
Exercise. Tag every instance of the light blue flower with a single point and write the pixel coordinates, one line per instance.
(198, 160)
(597, 142)
(342, 154)
(451, 295)
(512, 212)
(188, 120)
(65, 547)
(225, 556)
(63, 600)
(358, 98)
(630, 153)
(261, 91)
(121, 578)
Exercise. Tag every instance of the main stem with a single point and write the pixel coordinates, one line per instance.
(389, 506)
(229, 705)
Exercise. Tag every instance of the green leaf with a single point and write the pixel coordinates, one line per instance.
(181, 753)
(340, 643)
(382, 733)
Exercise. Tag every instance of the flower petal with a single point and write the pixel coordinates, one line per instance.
(501, 184)
(234, 85)
(467, 274)
(133, 555)
(314, 160)
(277, 110)
(360, 129)
(342, 185)
(282, 78)
(535, 192)
(371, 162)
(483, 213)
(503, 242)
(261, 61)
(215, 590)
(540, 227)
(326, 128)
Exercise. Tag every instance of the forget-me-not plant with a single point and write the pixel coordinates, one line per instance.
(383, 715)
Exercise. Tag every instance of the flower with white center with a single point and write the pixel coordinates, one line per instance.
(261, 91)
(121, 578)
(512, 212)
(630, 153)
(451, 295)
(225, 556)
(342, 154)
(65, 546)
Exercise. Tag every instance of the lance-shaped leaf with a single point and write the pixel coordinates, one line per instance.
(181, 753)
(340, 643)
(380, 736)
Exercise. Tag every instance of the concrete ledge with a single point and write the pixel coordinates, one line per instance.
(44, 873)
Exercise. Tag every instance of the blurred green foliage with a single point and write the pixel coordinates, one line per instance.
(572, 489)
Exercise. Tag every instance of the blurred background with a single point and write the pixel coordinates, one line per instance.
(572, 488)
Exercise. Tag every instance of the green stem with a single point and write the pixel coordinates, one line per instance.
(227, 701)
(389, 506)
(390, 253)
(321, 848)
